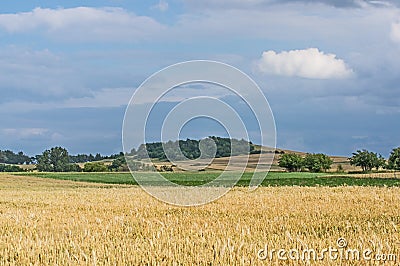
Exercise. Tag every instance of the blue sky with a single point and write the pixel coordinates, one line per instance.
(329, 68)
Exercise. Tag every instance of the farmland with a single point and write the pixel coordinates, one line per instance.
(47, 221)
(272, 179)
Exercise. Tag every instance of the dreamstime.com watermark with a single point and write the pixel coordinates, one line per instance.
(341, 251)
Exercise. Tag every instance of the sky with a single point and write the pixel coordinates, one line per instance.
(330, 69)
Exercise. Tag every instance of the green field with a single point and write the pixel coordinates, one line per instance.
(199, 178)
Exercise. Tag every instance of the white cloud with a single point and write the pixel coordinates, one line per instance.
(83, 22)
(24, 132)
(395, 32)
(31, 134)
(378, 3)
(162, 5)
(309, 63)
(115, 97)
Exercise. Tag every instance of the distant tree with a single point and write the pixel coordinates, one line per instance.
(133, 152)
(3, 157)
(95, 167)
(98, 157)
(84, 158)
(394, 159)
(291, 161)
(190, 149)
(119, 164)
(9, 157)
(317, 162)
(114, 156)
(91, 158)
(366, 160)
(54, 160)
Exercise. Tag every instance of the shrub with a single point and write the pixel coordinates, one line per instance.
(95, 167)
(10, 168)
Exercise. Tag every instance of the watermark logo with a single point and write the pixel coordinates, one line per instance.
(341, 251)
(145, 111)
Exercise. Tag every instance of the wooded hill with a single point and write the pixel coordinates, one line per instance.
(191, 149)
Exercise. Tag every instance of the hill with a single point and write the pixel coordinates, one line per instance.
(211, 147)
(244, 151)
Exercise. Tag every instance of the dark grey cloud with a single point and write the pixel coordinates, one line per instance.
(344, 3)
(209, 4)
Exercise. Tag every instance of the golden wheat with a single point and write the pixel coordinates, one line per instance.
(47, 222)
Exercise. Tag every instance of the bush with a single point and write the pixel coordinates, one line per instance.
(74, 168)
(10, 168)
(95, 167)
(166, 168)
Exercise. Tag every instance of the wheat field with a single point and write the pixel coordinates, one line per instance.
(50, 222)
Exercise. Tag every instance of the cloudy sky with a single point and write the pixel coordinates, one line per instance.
(330, 69)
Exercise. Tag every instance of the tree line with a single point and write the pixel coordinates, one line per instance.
(57, 159)
(10, 157)
(368, 160)
(313, 162)
(365, 159)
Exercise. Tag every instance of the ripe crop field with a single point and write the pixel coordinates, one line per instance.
(59, 222)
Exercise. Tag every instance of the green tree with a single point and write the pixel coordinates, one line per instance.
(291, 161)
(317, 162)
(119, 164)
(394, 159)
(54, 160)
(366, 160)
(98, 157)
